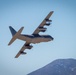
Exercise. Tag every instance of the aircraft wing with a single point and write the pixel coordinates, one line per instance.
(25, 46)
(46, 22)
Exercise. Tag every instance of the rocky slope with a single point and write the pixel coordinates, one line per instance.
(58, 67)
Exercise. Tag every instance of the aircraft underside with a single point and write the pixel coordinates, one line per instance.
(34, 37)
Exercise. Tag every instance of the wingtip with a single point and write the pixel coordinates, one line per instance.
(52, 11)
(22, 27)
(16, 57)
(8, 44)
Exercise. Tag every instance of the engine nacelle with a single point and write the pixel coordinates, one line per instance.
(23, 52)
(48, 20)
(29, 46)
(42, 29)
(47, 24)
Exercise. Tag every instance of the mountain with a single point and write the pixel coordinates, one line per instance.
(58, 67)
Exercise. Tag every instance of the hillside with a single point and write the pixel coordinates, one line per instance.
(58, 67)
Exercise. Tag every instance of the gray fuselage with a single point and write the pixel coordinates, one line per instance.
(35, 38)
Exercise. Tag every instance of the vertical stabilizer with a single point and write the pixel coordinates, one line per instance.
(13, 31)
(15, 34)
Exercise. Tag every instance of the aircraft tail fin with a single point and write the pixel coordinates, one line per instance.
(15, 34)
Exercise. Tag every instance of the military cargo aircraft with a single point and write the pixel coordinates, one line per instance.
(34, 38)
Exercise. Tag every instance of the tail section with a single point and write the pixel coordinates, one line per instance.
(14, 34)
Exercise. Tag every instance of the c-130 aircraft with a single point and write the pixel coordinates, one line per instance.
(34, 38)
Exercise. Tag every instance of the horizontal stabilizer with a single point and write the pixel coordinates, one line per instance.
(15, 36)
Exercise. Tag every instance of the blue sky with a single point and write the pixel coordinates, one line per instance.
(30, 13)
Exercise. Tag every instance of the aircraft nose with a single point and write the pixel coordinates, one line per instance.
(52, 38)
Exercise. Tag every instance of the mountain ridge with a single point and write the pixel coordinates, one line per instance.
(58, 67)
